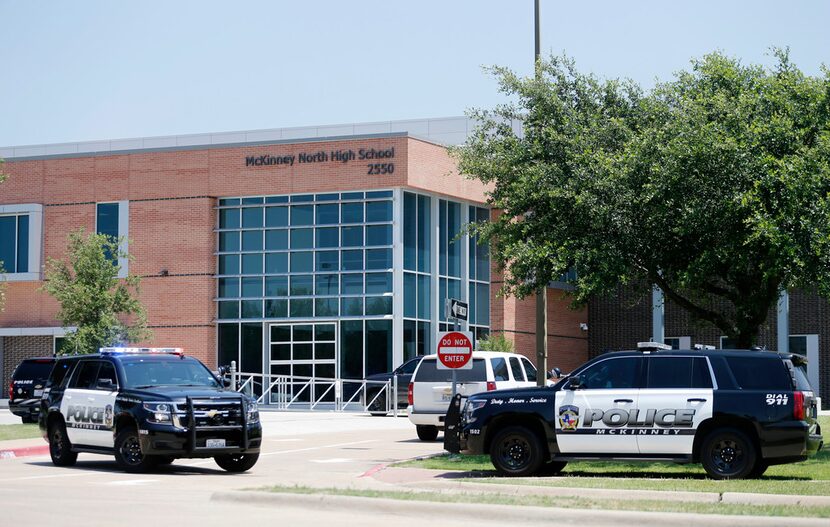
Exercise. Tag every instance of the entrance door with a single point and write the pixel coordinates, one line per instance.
(306, 355)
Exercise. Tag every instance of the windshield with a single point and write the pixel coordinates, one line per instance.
(147, 373)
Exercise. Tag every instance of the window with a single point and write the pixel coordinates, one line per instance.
(111, 220)
(84, 378)
(21, 228)
(612, 374)
(500, 370)
(516, 368)
(530, 370)
(753, 373)
(107, 372)
(678, 372)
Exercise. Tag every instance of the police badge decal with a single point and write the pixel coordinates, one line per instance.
(568, 418)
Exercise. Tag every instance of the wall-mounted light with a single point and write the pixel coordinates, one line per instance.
(583, 326)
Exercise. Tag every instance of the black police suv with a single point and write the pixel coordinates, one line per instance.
(146, 407)
(735, 412)
(26, 387)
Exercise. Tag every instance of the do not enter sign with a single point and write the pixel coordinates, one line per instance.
(455, 350)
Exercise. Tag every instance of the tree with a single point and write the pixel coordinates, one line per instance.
(714, 185)
(495, 343)
(104, 308)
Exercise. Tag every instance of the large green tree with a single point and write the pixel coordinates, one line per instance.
(105, 309)
(713, 185)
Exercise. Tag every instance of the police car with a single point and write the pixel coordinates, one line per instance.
(735, 412)
(146, 406)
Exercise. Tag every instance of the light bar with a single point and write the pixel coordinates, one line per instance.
(116, 351)
(652, 346)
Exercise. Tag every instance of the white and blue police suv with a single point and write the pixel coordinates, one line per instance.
(735, 412)
(146, 406)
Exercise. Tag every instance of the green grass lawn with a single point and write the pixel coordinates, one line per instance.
(20, 431)
(811, 477)
(567, 502)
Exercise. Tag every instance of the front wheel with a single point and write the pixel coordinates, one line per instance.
(728, 453)
(516, 451)
(236, 462)
(128, 452)
(427, 432)
(60, 449)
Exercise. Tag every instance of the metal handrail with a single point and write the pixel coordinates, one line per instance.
(285, 389)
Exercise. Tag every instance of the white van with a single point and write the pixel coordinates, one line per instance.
(430, 390)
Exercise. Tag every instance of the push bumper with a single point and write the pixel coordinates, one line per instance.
(166, 440)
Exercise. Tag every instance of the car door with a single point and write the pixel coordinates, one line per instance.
(592, 418)
(87, 408)
(676, 398)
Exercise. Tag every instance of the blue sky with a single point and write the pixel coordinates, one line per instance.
(86, 70)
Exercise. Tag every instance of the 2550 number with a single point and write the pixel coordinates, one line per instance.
(381, 168)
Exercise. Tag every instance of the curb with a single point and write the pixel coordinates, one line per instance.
(475, 512)
(13, 453)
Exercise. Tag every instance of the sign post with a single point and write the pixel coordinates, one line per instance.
(455, 352)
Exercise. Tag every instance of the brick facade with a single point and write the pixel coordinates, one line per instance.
(173, 194)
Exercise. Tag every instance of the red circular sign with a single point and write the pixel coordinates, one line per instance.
(455, 350)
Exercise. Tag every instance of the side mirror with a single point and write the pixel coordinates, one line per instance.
(576, 382)
(105, 384)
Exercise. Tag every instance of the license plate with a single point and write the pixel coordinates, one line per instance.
(38, 393)
(446, 397)
(215, 443)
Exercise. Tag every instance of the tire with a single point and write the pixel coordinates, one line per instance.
(552, 468)
(427, 432)
(236, 462)
(60, 449)
(516, 452)
(378, 407)
(128, 452)
(728, 453)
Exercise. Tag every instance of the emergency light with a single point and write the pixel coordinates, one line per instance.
(118, 351)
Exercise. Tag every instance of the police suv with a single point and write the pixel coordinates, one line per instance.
(735, 412)
(146, 406)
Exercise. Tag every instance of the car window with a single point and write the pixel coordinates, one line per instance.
(107, 371)
(429, 372)
(33, 369)
(516, 368)
(530, 370)
(59, 372)
(409, 367)
(612, 374)
(142, 373)
(800, 376)
(760, 373)
(678, 372)
(500, 369)
(84, 378)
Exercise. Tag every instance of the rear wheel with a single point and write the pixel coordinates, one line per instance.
(427, 432)
(728, 453)
(516, 451)
(128, 452)
(758, 470)
(236, 462)
(378, 406)
(60, 449)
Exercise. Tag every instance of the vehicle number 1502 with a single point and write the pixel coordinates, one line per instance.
(381, 168)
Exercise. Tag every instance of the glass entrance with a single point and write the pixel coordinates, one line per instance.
(305, 357)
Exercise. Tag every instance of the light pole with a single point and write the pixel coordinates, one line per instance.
(542, 293)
